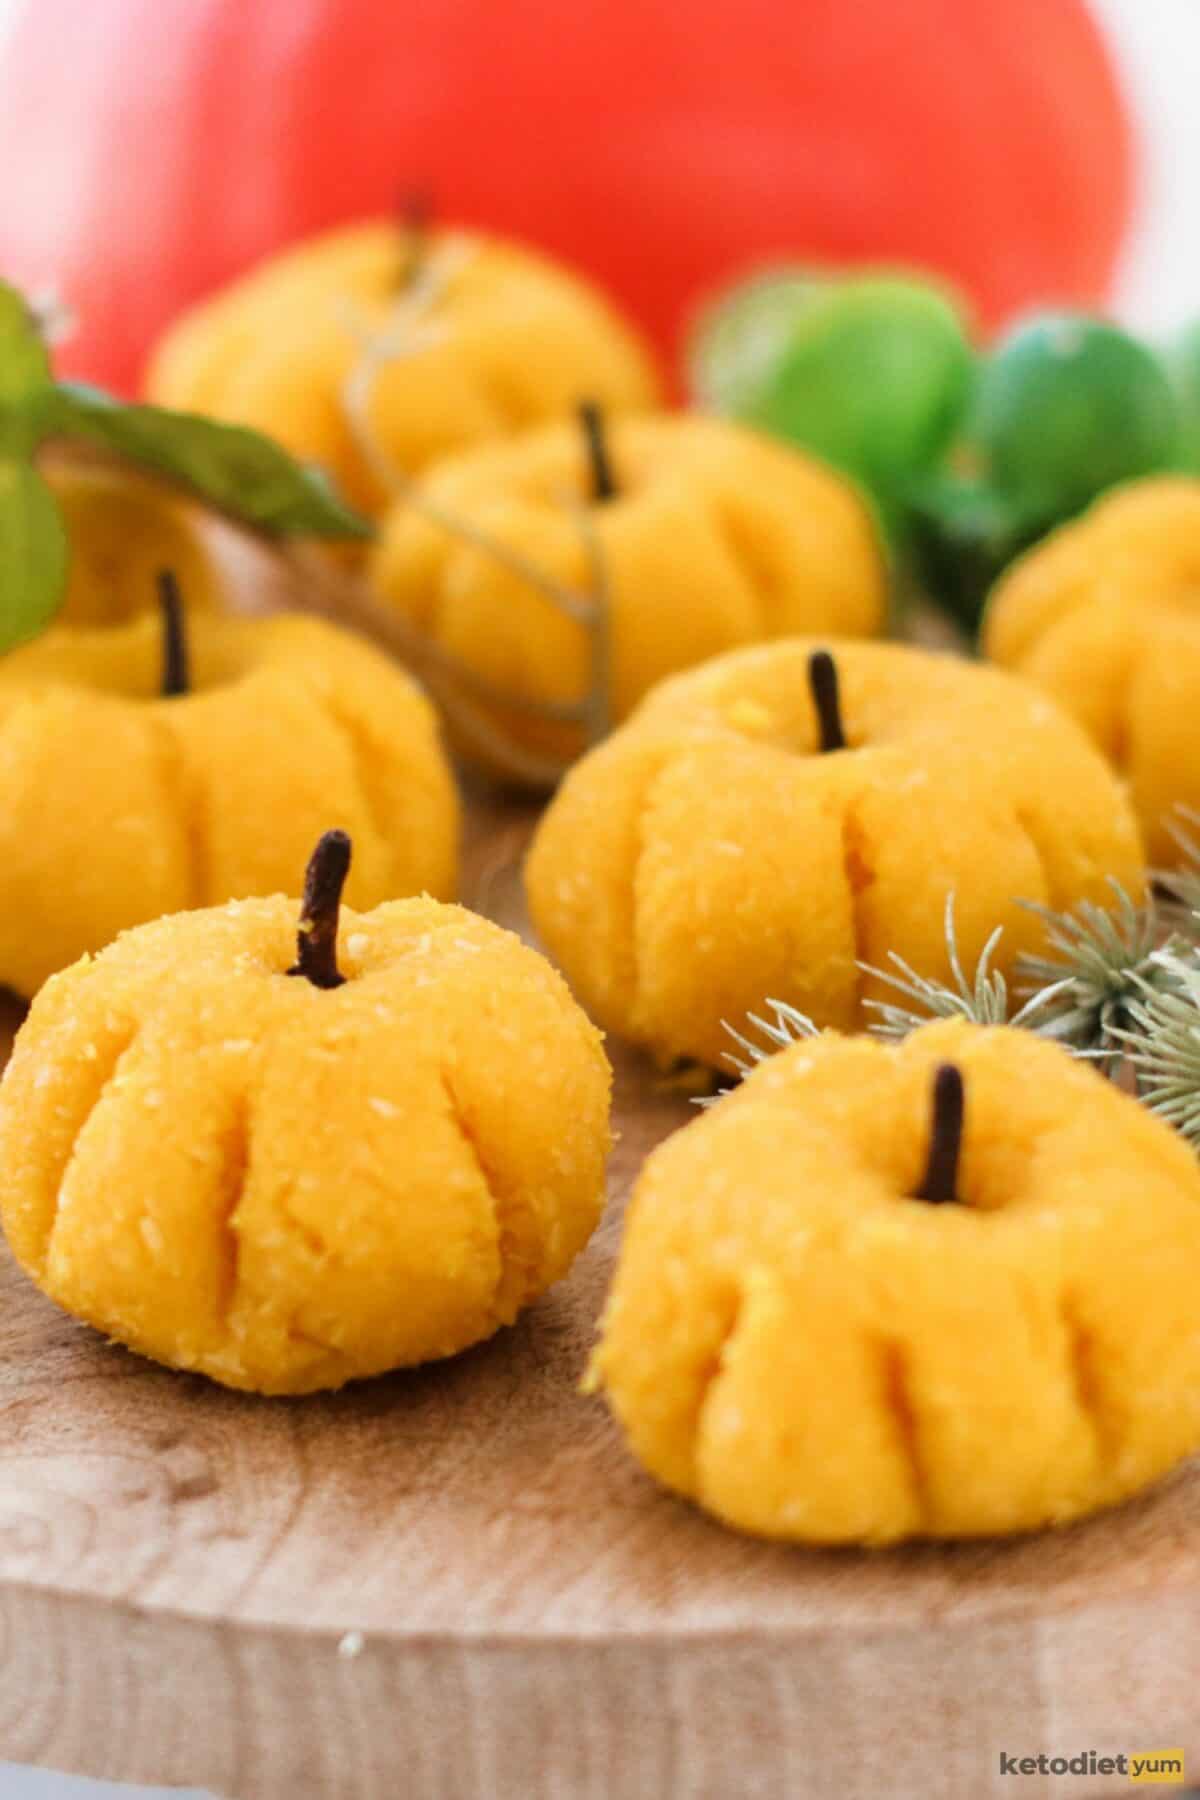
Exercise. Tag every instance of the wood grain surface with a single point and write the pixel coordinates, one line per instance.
(455, 1584)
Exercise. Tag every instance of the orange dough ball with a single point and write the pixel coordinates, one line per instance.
(708, 856)
(286, 1186)
(810, 1350)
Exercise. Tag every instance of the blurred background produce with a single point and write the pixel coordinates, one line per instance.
(379, 349)
(970, 453)
(889, 236)
(154, 151)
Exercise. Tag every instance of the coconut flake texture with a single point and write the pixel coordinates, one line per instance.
(809, 1352)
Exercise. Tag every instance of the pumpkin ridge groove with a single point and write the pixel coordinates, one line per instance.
(1121, 754)
(504, 1305)
(362, 760)
(105, 1078)
(183, 798)
(232, 1181)
(641, 847)
(859, 876)
(897, 1396)
(1025, 825)
(711, 1372)
(1082, 1369)
(737, 539)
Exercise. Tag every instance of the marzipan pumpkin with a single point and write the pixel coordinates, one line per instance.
(144, 770)
(940, 1290)
(764, 825)
(564, 573)
(379, 348)
(288, 1159)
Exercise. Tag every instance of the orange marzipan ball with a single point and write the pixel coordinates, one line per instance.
(490, 337)
(810, 1353)
(706, 858)
(118, 804)
(716, 536)
(1105, 615)
(284, 1187)
(123, 527)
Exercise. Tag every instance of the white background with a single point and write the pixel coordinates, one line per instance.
(1158, 46)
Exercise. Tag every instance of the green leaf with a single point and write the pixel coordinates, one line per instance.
(24, 374)
(24, 364)
(238, 471)
(33, 553)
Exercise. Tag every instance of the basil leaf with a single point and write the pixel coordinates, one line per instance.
(236, 470)
(33, 553)
(24, 373)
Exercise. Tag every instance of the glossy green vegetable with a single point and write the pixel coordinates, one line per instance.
(872, 372)
(1182, 359)
(1067, 405)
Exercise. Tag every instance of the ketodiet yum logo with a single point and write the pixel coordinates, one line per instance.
(1141, 1768)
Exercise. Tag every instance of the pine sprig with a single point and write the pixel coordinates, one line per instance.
(1113, 986)
(1182, 883)
(1162, 1042)
(1100, 963)
(984, 999)
(787, 1025)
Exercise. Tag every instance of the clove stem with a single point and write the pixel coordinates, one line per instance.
(823, 683)
(940, 1183)
(604, 484)
(174, 635)
(316, 940)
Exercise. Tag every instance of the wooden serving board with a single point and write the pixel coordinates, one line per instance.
(454, 1584)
